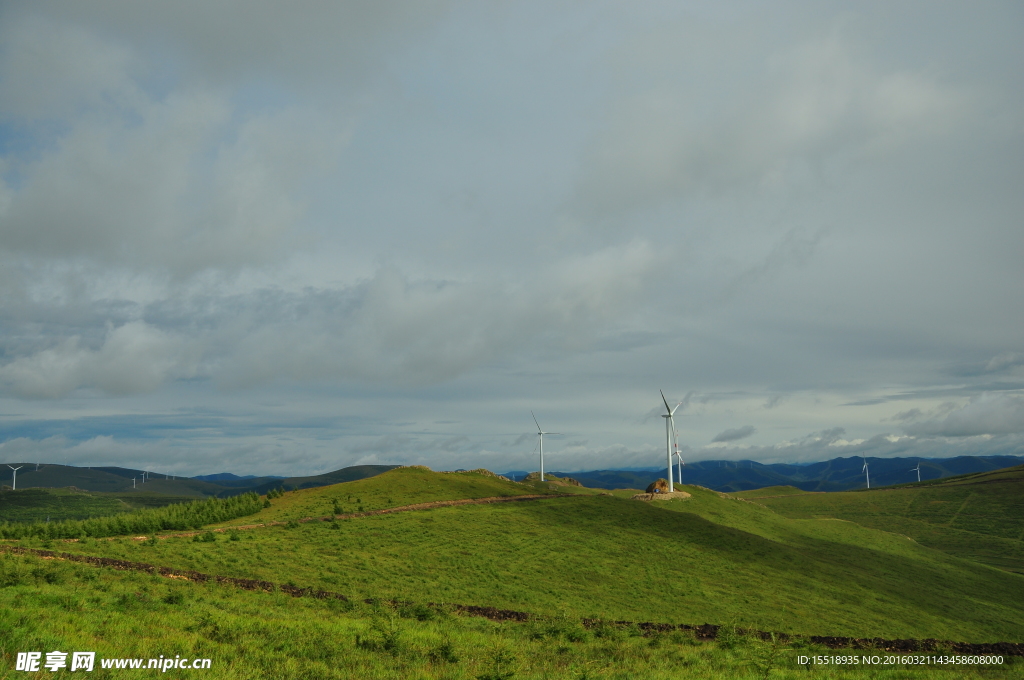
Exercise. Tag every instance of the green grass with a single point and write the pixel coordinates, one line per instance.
(770, 491)
(978, 517)
(706, 559)
(51, 605)
(402, 486)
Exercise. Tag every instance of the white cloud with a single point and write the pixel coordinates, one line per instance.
(672, 135)
(134, 358)
(400, 332)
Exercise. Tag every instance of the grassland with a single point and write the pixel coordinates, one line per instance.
(52, 605)
(575, 553)
(707, 559)
(978, 517)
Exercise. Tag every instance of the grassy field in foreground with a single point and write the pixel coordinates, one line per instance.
(710, 558)
(53, 605)
(979, 517)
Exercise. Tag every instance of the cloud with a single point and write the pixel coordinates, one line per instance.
(110, 169)
(397, 331)
(1003, 361)
(735, 434)
(387, 329)
(984, 414)
(771, 114)
(134, 358)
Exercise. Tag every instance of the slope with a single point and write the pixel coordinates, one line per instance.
(978, 516)
(710, 558)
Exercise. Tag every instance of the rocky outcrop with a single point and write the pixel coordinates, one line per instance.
(659, 486)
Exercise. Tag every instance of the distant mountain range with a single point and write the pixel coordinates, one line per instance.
(838, 474)
(228, 477)
(118, 479)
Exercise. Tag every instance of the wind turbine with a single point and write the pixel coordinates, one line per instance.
(867, 475)
(917, 470)
(133, 482)
(14, 477)
(670, 427)
(541, 433)
(679, 465)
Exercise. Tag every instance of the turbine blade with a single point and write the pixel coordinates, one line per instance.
(667, 407)
(535, 422)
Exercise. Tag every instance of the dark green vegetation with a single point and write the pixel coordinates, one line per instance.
(838, 474)
(119, 480)
(191, 515)
(41, 505)
(52, 605)
(979, 517)
(707, 559)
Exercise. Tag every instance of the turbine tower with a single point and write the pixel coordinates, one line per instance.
(867, 475)
(14, 477)
(917, 470)
(541, 433)
(679, 465)
(670, 427)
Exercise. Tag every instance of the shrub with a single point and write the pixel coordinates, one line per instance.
(174, 598)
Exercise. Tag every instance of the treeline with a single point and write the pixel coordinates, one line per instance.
(180, 516)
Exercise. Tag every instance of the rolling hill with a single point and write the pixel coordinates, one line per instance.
(709, 558)
(978, 516)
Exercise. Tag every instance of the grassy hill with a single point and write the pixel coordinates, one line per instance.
(710, 558)
(402, 486)
(573, 553)
(977, 516)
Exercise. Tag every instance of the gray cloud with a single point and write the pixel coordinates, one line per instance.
(735, 434)
(445, 212)
(984, 414)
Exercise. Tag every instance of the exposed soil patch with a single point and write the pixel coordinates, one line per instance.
(662, 496)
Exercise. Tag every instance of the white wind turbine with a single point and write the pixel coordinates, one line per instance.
(541, 433)
(14, 477)
(917, 470)
(670, 427)
(867, 475)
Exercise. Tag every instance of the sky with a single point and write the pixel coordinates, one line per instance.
(274, 238)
